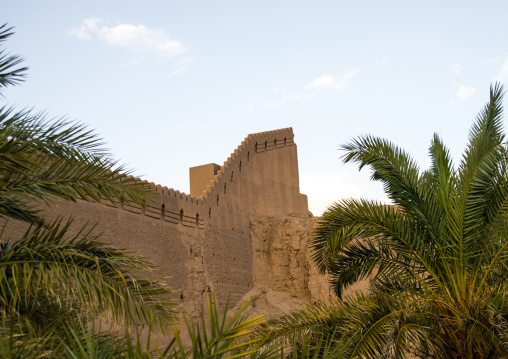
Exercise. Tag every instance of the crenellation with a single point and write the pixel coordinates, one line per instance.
(232, 168)
(191, 236)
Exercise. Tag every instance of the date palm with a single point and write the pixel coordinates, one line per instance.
(49, 266)
(436, 259)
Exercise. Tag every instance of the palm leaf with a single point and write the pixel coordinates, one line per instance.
(79, 267)
(10, 72)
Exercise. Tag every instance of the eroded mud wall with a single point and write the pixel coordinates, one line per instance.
(217, 241)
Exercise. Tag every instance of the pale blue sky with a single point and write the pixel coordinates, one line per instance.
(174, 84)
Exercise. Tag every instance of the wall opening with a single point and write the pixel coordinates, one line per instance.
(275, 143)
(181, 216)
(163, 211)
(285, 140)
(248, 156)
(232, 176)
(224, 188)
(256, 147)
(197, 220)
(217, 200)
(209, 212)
(266, 145)
(240, 167)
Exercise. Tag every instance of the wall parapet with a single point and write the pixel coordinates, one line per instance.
(175, 207)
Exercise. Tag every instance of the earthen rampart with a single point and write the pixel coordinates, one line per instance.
(210, 242)
(179, 208)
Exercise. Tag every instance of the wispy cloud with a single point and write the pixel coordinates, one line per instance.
(456, 68)
(338, 82)
(183, 65)
(134, 37)
(285, 98)
(465, 92)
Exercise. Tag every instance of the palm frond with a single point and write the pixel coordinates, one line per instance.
(77, 266)
(478, 166)
(40, 158)
(216, 336)
(10, 71)
(398, 172)
(437, 261)
(351, 221)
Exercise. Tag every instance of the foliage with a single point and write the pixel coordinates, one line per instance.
(213, 336)
(54, 278)
(436, 259)
(44, 158)
(48, 261)
(216, 336)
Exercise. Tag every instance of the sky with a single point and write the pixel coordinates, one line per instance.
(174, 84)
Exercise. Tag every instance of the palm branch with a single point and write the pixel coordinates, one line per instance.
(10, 71)
(49, 259)
(441, 249)
(42, 159)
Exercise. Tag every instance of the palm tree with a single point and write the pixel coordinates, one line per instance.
(436, 259)
(49, 276)
(53, 282)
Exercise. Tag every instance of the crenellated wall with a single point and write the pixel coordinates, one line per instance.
(205, 243)
(272, 186)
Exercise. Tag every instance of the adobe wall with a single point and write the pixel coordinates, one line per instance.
(210, 241)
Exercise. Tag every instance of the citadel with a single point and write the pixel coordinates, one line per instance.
(242, 231)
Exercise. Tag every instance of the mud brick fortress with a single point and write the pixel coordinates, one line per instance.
(243, 230)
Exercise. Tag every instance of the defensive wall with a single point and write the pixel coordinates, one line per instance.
(243, 230)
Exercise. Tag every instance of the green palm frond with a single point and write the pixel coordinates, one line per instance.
(26, 130)
(216, 335)
(55, 278)
(77, 266)
(381, 325)
(477, 169)
(10, 71)
(398, 172)
(443, 175)
(437, 260)
(40, 158)
(356, 237)
(89, 341)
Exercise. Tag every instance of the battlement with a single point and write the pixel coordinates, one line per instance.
(253, 143)
(210, 183)
(190, 238)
